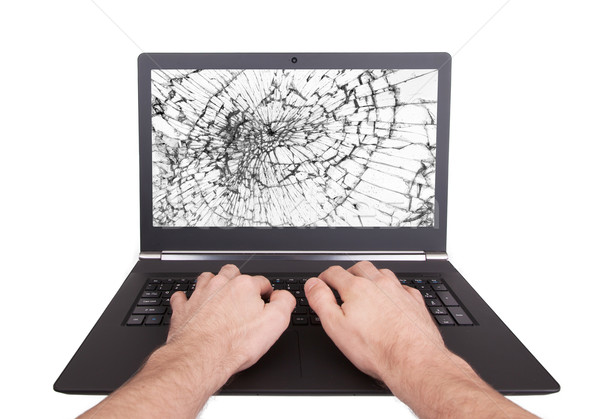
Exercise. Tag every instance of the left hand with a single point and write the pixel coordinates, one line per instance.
(227, 322)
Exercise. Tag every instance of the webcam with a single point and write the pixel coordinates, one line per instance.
(294, 60)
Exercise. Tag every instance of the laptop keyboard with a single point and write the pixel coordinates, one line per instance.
(153, 304)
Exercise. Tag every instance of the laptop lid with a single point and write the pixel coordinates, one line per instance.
(326, 152)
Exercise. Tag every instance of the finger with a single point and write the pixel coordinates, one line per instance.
(338, 278)
(218, 281)
(229, 271)
(321, 299)
(257, 283)
(415, 294)
(282, 303)
(178, 301)
(365, 269)
(388, 273)
(266, 289)
(203, 279)
(278, 311)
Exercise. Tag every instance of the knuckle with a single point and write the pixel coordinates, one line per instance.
(229, 268)
(364, 264)
(416, 293)
(243, 280)
(262, 278)
(333, 269)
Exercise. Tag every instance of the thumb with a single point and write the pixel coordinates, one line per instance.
(277, 315)
(321, 299)
(177, 301)
(281, 303)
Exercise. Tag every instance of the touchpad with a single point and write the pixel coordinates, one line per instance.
(275, 370)
(327, 367)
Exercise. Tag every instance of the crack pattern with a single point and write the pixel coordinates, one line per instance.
(293, 148)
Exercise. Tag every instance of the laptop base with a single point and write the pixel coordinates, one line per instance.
(304, 360)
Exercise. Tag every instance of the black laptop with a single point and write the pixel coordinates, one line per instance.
(286, 164)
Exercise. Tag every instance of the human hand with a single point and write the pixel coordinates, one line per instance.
(223, 328)
(227, 321)
(383, 327)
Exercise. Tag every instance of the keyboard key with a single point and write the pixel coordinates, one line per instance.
(135, 320)
(166, 294)
(405, 281)
(150, 287)
(277, 281)
(428, 294)
(444, 320)
(435, 281)
(298, 294)
(291, 281)
(149, 310)
(151, 294)
(315, 320)
(460, 316)
(168, 281)
(302, 301)
(424, 287)
(447, 298)
(180, 287)
(299, 320)
(311, 311)
(155, 281)
(292, 287)
(300, 310)
(165, 287)
(181, 281)
(438, 310)
(433, 302)
(149, 302)
(419, 281)
(153, 320)
(167, 320)
(440, 287)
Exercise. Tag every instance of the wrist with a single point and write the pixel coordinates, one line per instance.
(411, 375)
(194, 370)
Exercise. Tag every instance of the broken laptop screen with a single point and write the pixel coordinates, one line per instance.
(294, 148)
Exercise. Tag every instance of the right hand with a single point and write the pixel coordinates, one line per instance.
(382, 327)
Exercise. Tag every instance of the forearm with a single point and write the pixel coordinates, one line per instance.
(449, 388)
(171, 384)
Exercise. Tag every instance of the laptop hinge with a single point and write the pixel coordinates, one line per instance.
(352, 256)
(436, 255)
(150, 255)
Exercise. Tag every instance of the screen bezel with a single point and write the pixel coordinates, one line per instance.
(327, 239)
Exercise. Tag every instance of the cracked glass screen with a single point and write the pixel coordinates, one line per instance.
(293, 148)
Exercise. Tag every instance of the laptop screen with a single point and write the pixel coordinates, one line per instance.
(293, 148)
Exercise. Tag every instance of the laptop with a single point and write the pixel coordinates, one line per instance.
(286, 164)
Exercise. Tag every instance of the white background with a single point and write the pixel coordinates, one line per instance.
(524, 146)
